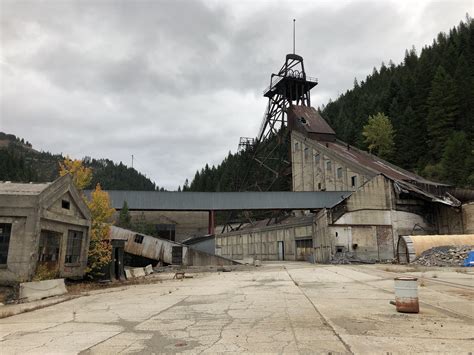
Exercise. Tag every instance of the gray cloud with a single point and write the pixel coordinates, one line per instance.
(176, 83)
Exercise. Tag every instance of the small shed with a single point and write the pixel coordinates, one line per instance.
(44, 229)
(412, 246)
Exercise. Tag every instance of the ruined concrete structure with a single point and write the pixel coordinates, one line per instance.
(165, 251)
(43, 227)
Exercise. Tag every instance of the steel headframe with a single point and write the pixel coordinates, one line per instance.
(291, 86)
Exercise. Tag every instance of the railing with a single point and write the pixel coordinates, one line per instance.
(280, 78)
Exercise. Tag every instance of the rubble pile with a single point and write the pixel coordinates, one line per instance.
(344, 258)
(448, 255)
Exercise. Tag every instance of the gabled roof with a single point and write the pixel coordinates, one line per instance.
(44, 194)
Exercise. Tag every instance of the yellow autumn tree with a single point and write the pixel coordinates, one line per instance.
(82, 176)
(100, 249)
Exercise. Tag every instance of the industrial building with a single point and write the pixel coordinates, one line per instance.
(384, 201)
(42, 226)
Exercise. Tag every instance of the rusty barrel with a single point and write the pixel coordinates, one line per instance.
(406, 294)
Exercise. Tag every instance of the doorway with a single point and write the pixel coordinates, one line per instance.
(48, 254)
(281, 250)
(177, 255)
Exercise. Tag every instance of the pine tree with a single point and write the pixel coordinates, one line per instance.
(443, 112)
(124, 219)
(457, 160)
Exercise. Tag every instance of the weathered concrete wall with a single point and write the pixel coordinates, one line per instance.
(262, 243)
(20, 250)
(199, 258)
(375, 194)
(186, 223)
(322, 243)
(314, 168)
(449, 219)
(468, 217)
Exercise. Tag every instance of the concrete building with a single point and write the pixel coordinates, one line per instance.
(42, 227)
(386, 202)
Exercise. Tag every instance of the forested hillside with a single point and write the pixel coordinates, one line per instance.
(21, 163)
(429, 99)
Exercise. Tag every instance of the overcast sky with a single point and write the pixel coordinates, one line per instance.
(176, 83)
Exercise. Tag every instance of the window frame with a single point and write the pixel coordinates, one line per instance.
(73, 246)
(5, 244)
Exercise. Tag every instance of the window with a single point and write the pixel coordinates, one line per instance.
(297, 146)
(328, 165)
(317, 158)
(306, 153)
(319, 186)
(339, 173)
(354, 181)
(5, 232)
(138, 239)
(74, 246)
(166, 231)
(66, 204)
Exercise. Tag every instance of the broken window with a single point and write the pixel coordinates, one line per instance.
(138, 239)
(317, 158)
(328, 165)
(5, 232)
(354, 181)
(74, 245)
(166, 231)
(306, 153)
(65, 204)
(339, 173)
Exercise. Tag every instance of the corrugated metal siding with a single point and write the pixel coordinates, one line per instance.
(219, 201)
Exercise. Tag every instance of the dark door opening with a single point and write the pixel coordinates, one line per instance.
(48, 254)
(177, 255)
(304, 249)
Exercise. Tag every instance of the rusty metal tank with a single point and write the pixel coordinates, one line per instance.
(406, 295)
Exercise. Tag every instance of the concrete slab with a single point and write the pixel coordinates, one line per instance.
(276, 308)
(148, 269)
(138, 272)
(37, 290)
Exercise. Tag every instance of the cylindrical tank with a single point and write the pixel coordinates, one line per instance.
(406, 294)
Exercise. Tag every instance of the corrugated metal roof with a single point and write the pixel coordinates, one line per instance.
(219, 201)
(308, 120)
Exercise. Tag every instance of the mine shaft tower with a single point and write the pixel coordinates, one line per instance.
(291, 86)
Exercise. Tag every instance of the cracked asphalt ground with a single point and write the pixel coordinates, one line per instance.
(277, 308)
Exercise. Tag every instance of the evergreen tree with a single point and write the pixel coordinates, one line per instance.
(124, 219)
(457, 162)
(443, 112)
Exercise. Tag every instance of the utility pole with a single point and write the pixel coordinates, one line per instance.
(132, 161)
